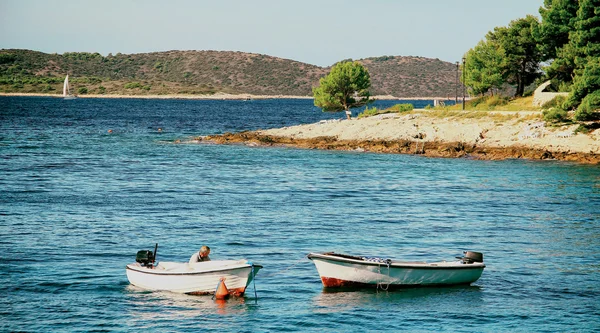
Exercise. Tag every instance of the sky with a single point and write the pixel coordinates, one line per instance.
(318, 32)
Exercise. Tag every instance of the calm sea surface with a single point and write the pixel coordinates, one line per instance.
(78, 202)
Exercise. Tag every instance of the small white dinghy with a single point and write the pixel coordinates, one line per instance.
(341, 270)
(198, 279)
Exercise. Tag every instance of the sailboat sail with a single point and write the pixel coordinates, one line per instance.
(66, 87)
(67, 90)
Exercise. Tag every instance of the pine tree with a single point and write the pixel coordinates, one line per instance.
(522, 54)
(345, 87)
(585, 40)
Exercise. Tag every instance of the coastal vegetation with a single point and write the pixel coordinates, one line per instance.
(197, 73)
(398, 108)
(346, 86)
(564, 47)
(495, 103)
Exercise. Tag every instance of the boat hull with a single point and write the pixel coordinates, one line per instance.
(197, 279)
(337, 272)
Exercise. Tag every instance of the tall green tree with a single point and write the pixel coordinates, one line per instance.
(586, 40)
(346, 86)
(558, 21)
(586, 36)
(483, 68)
(522, 54)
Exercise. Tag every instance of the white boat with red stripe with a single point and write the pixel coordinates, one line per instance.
(341, 270)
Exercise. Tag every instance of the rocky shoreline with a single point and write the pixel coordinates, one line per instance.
(518, 137)
(429, 149)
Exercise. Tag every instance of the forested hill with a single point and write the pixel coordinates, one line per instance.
(208, 72)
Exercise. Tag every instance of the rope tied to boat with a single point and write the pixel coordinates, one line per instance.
(381, 284)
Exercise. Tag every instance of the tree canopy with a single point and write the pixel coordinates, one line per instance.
(521, 53)
(564, 47)
(586, 40)
(558, 21)
(346, 86)
(484, 63)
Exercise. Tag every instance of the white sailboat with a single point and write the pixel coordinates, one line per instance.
(66, 90)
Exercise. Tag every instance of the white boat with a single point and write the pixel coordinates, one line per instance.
(66, 89)
(341, 270)
(198, 279)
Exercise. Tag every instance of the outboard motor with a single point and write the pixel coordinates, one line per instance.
(146, 257)
(471, 257)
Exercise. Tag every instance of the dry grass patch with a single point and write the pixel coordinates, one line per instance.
(496, 103)
(495, 116)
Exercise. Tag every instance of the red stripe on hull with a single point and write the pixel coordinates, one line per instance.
(338, 283)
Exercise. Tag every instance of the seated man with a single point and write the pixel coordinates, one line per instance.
(201, 255)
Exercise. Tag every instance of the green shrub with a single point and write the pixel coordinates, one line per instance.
(565, 87)
(132, 85)
(476, 101)
(585, 84)
(589, 105)
(582, 129)
(494, 101)
(368, 112)
(402, 108)
(82, 90)
(555, 115)
(6, 58)
(556, 102)
(101, 90)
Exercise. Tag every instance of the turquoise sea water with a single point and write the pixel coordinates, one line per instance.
(77, 203)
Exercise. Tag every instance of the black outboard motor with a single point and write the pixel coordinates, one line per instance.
(471, 257)
(146, 257)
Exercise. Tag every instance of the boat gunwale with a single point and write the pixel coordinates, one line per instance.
(393, 264)
(146, 271)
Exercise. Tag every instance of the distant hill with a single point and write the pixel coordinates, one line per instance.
(209, 72)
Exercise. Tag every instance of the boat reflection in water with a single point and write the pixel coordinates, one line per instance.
(143, 305)
(341, 300)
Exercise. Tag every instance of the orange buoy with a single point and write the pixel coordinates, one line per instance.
(222, 291)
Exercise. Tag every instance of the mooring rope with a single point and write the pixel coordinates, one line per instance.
(381, 284)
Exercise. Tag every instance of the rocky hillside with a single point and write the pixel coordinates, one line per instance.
(208, 72)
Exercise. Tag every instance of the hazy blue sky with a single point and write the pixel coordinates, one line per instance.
(319, 32)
